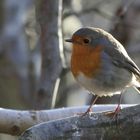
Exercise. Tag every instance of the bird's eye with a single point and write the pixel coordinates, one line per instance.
(86, 40)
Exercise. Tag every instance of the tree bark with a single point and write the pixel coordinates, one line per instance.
(47, 14)
(14, 122)
(98, 126)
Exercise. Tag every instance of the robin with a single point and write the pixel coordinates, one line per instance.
(101, 65)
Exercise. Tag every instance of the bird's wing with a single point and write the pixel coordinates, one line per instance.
(120, 57)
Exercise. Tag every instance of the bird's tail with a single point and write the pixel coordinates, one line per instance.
(137, 83)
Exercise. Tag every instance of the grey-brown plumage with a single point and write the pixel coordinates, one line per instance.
(117, 70)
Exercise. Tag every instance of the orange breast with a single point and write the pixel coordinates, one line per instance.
(86, 60)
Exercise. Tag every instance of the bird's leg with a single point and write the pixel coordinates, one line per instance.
(114, 114)
(93, 101)
(118, 108)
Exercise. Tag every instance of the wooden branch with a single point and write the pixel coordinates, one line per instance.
(47, 14)
(97, 126)
(14, 122)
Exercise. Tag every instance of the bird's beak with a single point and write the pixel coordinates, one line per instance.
(69, 40)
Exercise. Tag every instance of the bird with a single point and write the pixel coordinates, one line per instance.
(101, 65)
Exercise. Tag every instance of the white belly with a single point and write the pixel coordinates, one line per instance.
(101, 86)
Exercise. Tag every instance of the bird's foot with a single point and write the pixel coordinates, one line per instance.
(114, 114)
(88, 112)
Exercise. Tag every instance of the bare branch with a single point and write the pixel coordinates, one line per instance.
(15, 121)
(47, 13)
(97, 126)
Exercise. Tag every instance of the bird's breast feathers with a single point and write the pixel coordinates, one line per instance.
(86, 60)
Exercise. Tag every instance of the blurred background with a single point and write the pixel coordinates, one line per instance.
(20, 53)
